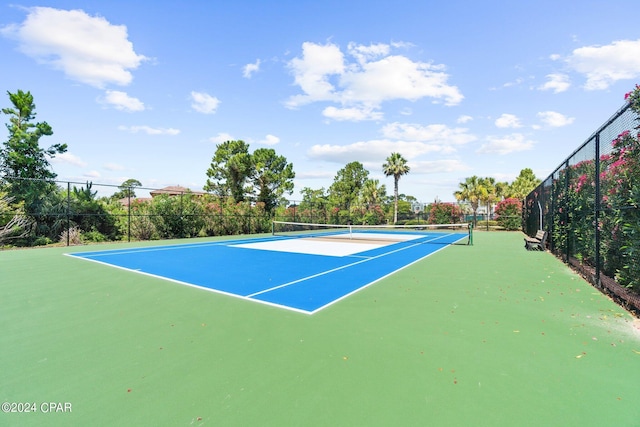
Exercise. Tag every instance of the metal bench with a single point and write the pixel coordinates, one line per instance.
(537, 243)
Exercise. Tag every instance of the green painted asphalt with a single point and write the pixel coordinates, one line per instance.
(487, 335)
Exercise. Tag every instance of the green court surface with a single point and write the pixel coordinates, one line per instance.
(483, 335)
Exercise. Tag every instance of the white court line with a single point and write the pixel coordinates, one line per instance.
(180, 282)
(314, 247)
(250, 297)
(110, 252)
(379, 278)
(264, 291)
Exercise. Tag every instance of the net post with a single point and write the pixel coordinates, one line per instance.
(273, 228)
(470, 234)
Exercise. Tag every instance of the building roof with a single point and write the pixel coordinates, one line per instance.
(175, 190)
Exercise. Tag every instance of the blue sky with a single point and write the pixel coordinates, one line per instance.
(146, 90)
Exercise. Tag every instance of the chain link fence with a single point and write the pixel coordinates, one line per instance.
(68, 212)
(73, 213)
(589, 206)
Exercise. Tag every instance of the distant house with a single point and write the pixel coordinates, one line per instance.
(172, 191)
(175, 190)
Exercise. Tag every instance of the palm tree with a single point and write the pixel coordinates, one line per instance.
(396, 165)
(373, 192)
(503, 190)
(490, 194)
(472, 191)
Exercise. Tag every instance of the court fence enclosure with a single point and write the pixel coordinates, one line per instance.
(37, 212)
(589, 207)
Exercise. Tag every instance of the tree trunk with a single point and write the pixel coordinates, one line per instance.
(395, 200)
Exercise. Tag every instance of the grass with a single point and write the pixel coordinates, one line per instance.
(488, 335)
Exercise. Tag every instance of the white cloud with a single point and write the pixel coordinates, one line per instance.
(397, 77)
(149, 130)
(508, 121)
(556, 82)
(354, 114)
(363, 53)
(412, 140)
(92, 174)
(204, 103)
(438, 166)
(121, 101)
(604, 65)
(506, 144)
(69, 158)
(516, 82)
(312, 72)
(372, 151)
(364, 78)
(435, 133)
(269, 140)
(249, 69)
(554, 119)
(464, 119)
(85, 48)
(221, 137)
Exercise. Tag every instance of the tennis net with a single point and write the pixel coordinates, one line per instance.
(424, 233)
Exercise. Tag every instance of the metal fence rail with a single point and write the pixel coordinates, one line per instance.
(578, 207)
(70, 212)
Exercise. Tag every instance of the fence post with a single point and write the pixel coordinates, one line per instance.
(68, 212)
(129, 216)
(597, 207)
(567, 228)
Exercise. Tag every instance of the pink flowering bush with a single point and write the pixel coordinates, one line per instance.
(573, 201)
(633, 98)
(444, 213)
(620, 188)
(509, 214)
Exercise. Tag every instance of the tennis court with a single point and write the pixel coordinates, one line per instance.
(305, 269)
(482, 335)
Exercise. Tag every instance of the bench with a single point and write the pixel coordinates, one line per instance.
(537, 243)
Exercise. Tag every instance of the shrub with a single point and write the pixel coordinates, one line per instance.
(72, 235)
(509, 214)
(44, 241)
(93, 236)
(444, 213)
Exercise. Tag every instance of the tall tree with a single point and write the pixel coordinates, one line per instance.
(524, 184)
(471, 191)
(89, 213)
(347, 185)
(314, 203)
(127, 189)
(24, 165)
(313, 198)
(490, 193)
(230, 169)
(503, 190)
(272, 177)
(395, 166)
(373, 193)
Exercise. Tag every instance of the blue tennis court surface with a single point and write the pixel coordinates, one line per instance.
(300, 274)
